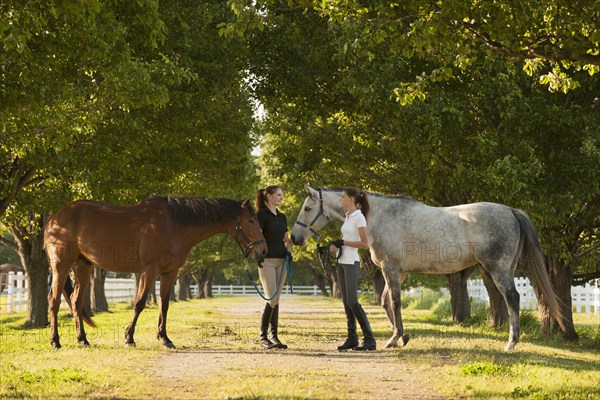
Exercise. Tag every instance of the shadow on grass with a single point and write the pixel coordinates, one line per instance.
(10, 322)
(501, 357)
(431, 328)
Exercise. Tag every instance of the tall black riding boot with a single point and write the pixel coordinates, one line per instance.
(264, 326)
(274, 323)
(369, 340)
(352, 340)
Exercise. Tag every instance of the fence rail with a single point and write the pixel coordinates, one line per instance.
(586, 299)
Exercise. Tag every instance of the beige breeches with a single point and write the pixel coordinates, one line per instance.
(269, 275)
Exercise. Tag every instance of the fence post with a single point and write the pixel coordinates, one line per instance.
(19, 291)
(11, 277)
(595, 295)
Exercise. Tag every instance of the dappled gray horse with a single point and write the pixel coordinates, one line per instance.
(408, 236)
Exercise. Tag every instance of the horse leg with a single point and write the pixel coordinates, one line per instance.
(392, 280)
(166, 284)
(59, 277)
(139, 304)
(83, 273)
(386, 303)
(505, 283)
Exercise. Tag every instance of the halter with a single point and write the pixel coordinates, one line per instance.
(321, 212)
(249, 245)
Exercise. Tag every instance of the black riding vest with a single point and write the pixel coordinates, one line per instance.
(273, 228)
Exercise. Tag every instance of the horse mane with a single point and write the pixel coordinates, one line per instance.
(371, 193)
(203, 210)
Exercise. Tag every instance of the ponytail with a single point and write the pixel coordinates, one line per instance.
(261, 199)
(365, 206)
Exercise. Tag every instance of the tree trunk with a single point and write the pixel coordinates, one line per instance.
(320, 278)
(459, 296)
(322, 284)
(172, 294)
(561, 278)
(335, 286)
(97, 293)
(87, 300)
(185, 280)
(498, 312)
(208, 286)
(201, 277)
(33, 258)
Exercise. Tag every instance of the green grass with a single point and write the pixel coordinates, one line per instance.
(259, 383)
(464, 361)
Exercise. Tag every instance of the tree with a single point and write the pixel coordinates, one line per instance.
(116, 102)
(98, 301)
(185, 280)
(219, 253)
(478, 123)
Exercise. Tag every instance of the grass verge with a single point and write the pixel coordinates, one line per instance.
(452, 360)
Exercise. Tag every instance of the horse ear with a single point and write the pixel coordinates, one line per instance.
(309, 190)
(245, 203)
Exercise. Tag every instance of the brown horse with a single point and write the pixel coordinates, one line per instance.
(151, 238)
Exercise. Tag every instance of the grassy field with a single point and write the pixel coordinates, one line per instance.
(465, 361)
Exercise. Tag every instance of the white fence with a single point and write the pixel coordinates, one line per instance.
(586, 299)
(16, 288)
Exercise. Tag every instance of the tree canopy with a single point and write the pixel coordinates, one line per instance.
(438, 100)
(117, 101)
(449, 101)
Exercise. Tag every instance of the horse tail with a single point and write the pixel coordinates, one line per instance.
(532, 258)
(68, 291)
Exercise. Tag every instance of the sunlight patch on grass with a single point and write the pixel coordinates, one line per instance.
(265, 383)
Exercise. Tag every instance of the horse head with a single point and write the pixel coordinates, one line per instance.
(312, 218)
(248, 234)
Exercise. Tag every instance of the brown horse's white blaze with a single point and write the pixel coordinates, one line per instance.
(151, 238)
(408, 236)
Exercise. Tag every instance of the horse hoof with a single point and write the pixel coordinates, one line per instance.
(509, 348)
(169, 345)
(404, 339)
(130, 345)
(84, 343)
(55, 344)
(390, 344)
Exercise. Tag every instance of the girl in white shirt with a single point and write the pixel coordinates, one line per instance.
(354, 237)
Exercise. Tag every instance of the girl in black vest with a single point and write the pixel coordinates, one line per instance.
(273, 224)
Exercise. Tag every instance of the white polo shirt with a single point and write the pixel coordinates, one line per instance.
(350, 233)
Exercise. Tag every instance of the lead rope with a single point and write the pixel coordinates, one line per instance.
(287, 264)
(325, 256)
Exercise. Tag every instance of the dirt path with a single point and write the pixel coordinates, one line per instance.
(354, 375)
